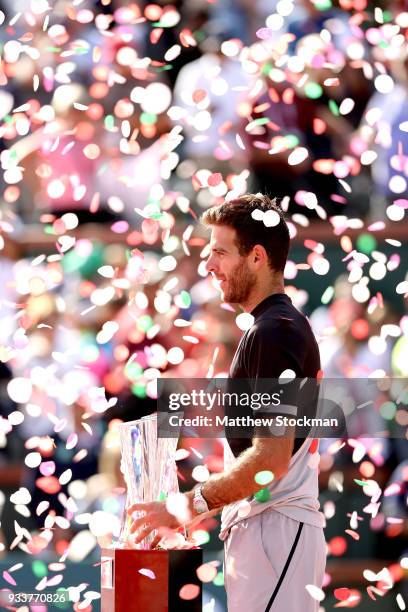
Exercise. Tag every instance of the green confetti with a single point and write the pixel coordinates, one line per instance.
(109, 122)
(148, 118)
(39, 568)
(313, 90)
(159, 24)
(133, 370)
(201, 537)
(90, 353)
(334, 108)
(399, 361)
(292, 141)
(163, 68)
(152, 211)
(262, 495)
(266, 68)
(102, 169)
(200, 35)
(219, 579)
(139, 390)
(110, 504)
(63, 602)
(322, 5)
(327, 295)
(185, 298)
(388, 410)
(162, 496)
(81, 50)
(260, 121)
(362, 483)
(366, 243)
(144, 322)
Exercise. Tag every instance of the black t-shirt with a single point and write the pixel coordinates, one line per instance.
(280, 339)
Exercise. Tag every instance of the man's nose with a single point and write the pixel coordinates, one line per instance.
(209, 264)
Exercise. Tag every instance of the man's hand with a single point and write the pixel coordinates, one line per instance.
(155, 516)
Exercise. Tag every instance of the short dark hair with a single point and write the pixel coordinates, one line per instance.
(249, 231)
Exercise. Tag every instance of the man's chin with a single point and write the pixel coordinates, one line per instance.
(228, 299)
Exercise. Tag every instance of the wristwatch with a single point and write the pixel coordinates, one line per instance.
(199, 503)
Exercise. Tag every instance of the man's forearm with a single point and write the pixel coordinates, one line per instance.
(239, 482)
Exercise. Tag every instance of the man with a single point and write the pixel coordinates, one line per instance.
(275, 547)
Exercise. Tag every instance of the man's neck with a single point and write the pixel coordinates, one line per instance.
(260, 293)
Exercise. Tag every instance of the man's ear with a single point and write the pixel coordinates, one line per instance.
(260, 253)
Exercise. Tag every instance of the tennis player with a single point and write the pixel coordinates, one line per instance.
(273, 543)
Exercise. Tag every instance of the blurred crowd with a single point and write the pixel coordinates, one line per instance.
(120, 123)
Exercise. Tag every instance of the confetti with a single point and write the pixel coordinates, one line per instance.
(264, 478)
(22, 496)
(147, 572)
(207, 572)
(119, 146)
(297, 156)
(315, 592)
(8, 578)
(342, 594)
(244, 321)
(200, 473)
(19, 390)
(189, 592)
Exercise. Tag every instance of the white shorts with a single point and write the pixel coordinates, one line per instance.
(268, 561)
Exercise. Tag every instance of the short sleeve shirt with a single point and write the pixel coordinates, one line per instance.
(280, 339)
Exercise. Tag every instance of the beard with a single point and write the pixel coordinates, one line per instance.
(239, 284)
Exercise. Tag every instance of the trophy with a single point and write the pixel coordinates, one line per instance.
(148, 467)
(150, 472)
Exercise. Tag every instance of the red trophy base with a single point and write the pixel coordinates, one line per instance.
(125, 589)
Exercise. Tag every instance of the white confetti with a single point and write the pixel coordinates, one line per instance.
(297, 156)
(245, 321)
(315, 592)
(271, 218)
(200, 473)
(21, 497)
(399, 598)
(19, 389)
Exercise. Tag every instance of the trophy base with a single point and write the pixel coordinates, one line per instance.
(125, 589)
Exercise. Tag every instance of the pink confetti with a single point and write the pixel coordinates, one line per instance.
(392, 489)
(264, 33)
(72, 441)
(60, 425)
(353, 534)
(401, 202)
(376, 227)
(342, 593)
(8, 578)
(120, 227)
(147, 572)
(215, 179)
(207, 572)
(47, 468)
(189, 591)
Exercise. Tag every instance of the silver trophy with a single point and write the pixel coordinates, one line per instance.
(149, 470)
